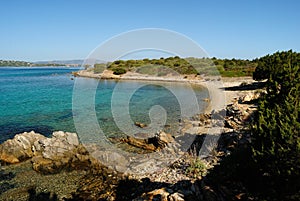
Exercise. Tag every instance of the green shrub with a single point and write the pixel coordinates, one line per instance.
(196, 168)
(119, 71)
(276, 130)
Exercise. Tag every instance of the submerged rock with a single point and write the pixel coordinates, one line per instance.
(139, 124)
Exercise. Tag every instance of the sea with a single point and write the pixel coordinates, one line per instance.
(42, 99)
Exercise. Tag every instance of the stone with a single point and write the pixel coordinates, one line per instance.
(246, 98)
(140, 143)
(19, 148)
(78, 158)
(162, 193)
(165, 137)
(111, 159)
(159, 141)
(59, 145)
(62, 151)
(48, 155)
(230, 124)
(139, 124)
(72, 139)
(176, 197)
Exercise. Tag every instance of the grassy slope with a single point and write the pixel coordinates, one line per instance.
(174, 65)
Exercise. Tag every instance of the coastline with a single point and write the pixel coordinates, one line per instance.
(79, 163)
(225, 82)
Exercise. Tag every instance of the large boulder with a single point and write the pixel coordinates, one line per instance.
(48, 155)
(19, 148)
(62, 151)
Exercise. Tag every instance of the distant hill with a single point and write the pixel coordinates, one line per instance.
(75, 62)
(68, 63)
(63, 62)
(14, 63)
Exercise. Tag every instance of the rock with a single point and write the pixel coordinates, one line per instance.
(203, 117)
(230, 124)
(139, 124)
(61, 144)
(161, 194)
(249, 97)
(150, 196)
(196, 123)
(209, 194)
(48, 155)
(159, 141)
(246, 98)
(163, 139)
(75, 159)
(140, 143)
(62, 151)
(19, 148)
(112, 160)
(206, 100)
(176, 197)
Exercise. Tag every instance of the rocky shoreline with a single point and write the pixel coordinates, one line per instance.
(63, 156)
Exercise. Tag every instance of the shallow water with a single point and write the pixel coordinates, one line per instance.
(40, 99)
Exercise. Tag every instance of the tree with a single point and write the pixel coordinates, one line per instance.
(275, 63)
(276, 131)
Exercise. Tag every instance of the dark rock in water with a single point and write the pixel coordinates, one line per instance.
(159, 141)
(33, 195)
(66, 116)
(6, 176)
(140, 143)
(5, 187)
(139, 124)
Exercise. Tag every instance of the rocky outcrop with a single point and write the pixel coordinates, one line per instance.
(62, 151)
(19, 148)
(48, 155)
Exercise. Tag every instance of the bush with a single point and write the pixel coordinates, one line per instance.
(119, 71)
(276, 130)
(275, 63)
(196, 168)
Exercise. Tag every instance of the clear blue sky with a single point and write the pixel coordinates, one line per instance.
(71, 29)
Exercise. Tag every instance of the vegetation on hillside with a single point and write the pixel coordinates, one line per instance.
(176, 65)
(14, 63)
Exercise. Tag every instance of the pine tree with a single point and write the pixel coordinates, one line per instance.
(276, 139)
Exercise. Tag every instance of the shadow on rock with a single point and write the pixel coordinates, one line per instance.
(246, 87)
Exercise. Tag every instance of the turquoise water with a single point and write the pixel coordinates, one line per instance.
(40, 99)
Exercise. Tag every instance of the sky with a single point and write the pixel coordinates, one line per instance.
(34, 30)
